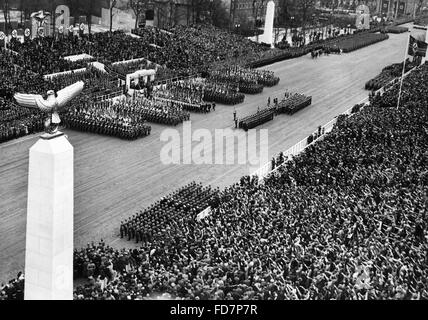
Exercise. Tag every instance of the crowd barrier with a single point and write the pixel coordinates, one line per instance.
(53, 75)
(183, 103)
(108, 96)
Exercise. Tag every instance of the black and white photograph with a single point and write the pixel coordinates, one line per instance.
(213, 155)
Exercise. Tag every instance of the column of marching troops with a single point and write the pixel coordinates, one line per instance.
(291, 103)
(185, 203)
(127, 118)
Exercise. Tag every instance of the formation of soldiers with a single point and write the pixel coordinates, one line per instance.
(293, 102)
(224, 93)
(250, 81)
(257, 119)
(123, 129)
(155, 221)
(106, 118)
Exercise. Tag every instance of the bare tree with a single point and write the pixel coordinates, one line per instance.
(87, 8)
(306, 7)
(112, 5)
(6, 13)
(138, 6)
(257, 6)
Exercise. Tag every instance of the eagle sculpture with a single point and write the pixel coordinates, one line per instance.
(52, 104)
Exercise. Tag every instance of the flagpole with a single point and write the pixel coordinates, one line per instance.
(402, 72)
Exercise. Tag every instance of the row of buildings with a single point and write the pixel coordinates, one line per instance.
(249, 11)
(169, 12)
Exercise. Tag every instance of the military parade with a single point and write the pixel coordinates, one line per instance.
(194, 151)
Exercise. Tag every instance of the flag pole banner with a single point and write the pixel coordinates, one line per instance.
(385, 6)
(417, 47)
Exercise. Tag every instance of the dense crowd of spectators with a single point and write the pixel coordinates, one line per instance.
(46, 55)
(15, 121)
(14, 290)
(345, 220)
(391, 72)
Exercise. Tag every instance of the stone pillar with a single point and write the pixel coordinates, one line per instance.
(267, 36)
(49, 236)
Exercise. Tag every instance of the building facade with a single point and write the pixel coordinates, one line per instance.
(249, 11)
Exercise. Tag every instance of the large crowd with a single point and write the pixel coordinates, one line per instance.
(344, 220)
(391, 72)
(180, 51)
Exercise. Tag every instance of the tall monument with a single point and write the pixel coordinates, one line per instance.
(267, 36)
(49, 236)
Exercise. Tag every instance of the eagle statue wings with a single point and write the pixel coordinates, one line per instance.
(52, 104)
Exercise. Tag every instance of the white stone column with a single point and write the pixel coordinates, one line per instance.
(49, 237)
(267, 36)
